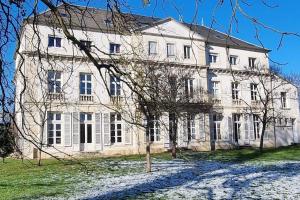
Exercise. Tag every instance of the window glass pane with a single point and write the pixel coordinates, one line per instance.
(50, 134)
(58, 133)
(50, 140)
(50, 126)
(82, 133)
(119, 117)
(82, 117)
(58, 116)
(89, 77)
(118, 126)
(82, 88)
(50, 41)
(58, 140)
(89, 116)
(89, 133)
(58, 127)
(58, 42)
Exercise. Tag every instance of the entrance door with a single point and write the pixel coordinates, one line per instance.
(86, 132)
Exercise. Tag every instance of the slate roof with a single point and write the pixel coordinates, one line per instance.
(94, 19)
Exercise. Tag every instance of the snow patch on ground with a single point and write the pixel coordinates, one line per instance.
(179, 179)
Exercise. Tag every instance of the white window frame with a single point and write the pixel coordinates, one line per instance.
(256, 126)
(55, 41)
(115, 85)
(216, 88)
(114, 48)
(85, 81)
(233, 58)
(170, 49)
(213, 58)
(236, 125)
(187, 51)
(52, 125)
(251, 62)
(154, 129)
(116, 120)
(191, 126)
(55, 80)
(235, 90)
(152, 48)
(217, 119)
(189, 87)
(283, 99)
(86, 121)
(253, 89)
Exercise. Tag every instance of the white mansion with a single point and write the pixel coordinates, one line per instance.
(64, 105)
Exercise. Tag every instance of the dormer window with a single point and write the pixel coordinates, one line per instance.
(108, 22)
(152, 48)
(87, 44)
(187, 51)
(212, 58)
(252, 63)
(114, 48)
(170, 50)
(233, 60)
(54, 41)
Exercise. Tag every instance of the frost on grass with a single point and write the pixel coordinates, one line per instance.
(197, 180)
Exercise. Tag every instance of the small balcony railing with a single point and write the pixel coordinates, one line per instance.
(116, 100)
(86, 98)
(55, 97)
(255, 103)
(216, 101)
(237, 102)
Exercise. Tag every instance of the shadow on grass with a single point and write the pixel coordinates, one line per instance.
(196, 179)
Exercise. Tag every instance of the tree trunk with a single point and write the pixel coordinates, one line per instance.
(174, 138)
(40, 157)
(261, 145)
(148, 152)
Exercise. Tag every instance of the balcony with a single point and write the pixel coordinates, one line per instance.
(55, 97)
(216, 102)
(116, 100)
(86, 98)
(255, 103)
(236, 102)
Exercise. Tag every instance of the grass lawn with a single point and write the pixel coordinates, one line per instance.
(28, 181)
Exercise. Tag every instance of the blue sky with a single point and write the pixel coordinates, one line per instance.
(284, 17)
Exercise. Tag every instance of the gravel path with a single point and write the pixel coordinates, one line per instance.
(200, 180)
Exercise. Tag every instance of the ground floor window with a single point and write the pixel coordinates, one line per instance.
(115, 128)
(54, 128)
(236, 127)
(86, 128)
(256, 126)
(191, 126)
(217, 118)
(154, 128)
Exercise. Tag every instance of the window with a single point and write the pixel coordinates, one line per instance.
(115, 86)
(235, 91)
(217, 118)
(233, 60)
(283, 99)
(54, 41)
(253, 88)
(54, 128)
(152, 48)
(191, 127)
(114, 48)
(173, 87)
(170, 49)
(212, 58)
(154, 128)
(188, 85)
(115, 128)
(86, 128)
(256, 126)
(86, 44)
(215, 88)
(187, 51)
(252, 62)
(236, 127)
(54, 81)
(85, 84)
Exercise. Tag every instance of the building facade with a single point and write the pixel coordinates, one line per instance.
(67, 105)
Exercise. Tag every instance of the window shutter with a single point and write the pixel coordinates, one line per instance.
(76, 130)
(197, 126)
(106, 128)
(98, 131)
(184, 128)
(128, 132)
(251, 127)
(246, 123)
(230, 128)
(202, 126)
(164, 129)
(67, 129)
